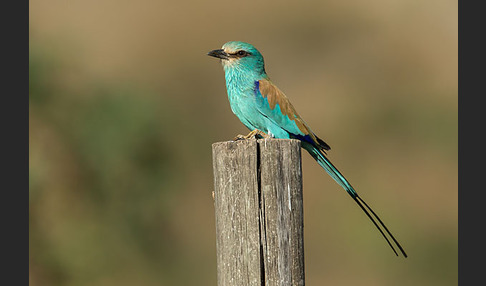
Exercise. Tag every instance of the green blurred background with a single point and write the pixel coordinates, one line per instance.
(125, 104)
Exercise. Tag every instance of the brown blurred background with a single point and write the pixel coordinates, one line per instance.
(125, 104)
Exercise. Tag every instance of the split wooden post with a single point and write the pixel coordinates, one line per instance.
(259, 212)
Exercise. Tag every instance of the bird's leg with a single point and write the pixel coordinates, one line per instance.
(252, 134)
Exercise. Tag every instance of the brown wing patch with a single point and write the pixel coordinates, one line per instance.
(276, 96)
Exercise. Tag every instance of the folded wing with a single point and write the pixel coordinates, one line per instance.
(274, 105)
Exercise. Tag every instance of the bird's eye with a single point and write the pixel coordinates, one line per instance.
(241, 53)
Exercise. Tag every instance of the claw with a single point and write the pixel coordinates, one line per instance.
(239, 137)
(255, 134)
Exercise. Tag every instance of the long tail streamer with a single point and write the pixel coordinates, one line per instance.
(339, 178)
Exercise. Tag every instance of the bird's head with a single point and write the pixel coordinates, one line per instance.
(240, 56)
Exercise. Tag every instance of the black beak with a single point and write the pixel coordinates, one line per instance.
(220, 54)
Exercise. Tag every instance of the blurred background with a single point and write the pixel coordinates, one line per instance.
(125, 104)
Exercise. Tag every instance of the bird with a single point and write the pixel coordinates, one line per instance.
(264, 109)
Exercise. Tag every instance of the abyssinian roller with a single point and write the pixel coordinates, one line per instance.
(264, 109)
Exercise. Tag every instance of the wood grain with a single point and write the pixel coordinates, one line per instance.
(259, 212)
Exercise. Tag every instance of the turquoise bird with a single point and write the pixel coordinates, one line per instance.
(265, 110)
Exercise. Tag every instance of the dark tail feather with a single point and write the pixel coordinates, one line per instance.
(339, 178)
(382, 224)
(374, 222)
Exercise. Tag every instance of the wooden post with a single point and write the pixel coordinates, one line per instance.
(259, 212)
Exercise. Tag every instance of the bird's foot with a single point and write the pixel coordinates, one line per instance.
(255, 134)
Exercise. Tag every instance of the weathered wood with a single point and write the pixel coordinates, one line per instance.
(282, 217)
(237, 212)
(259, 212)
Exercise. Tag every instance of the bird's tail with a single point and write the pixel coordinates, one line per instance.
(319, 156)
